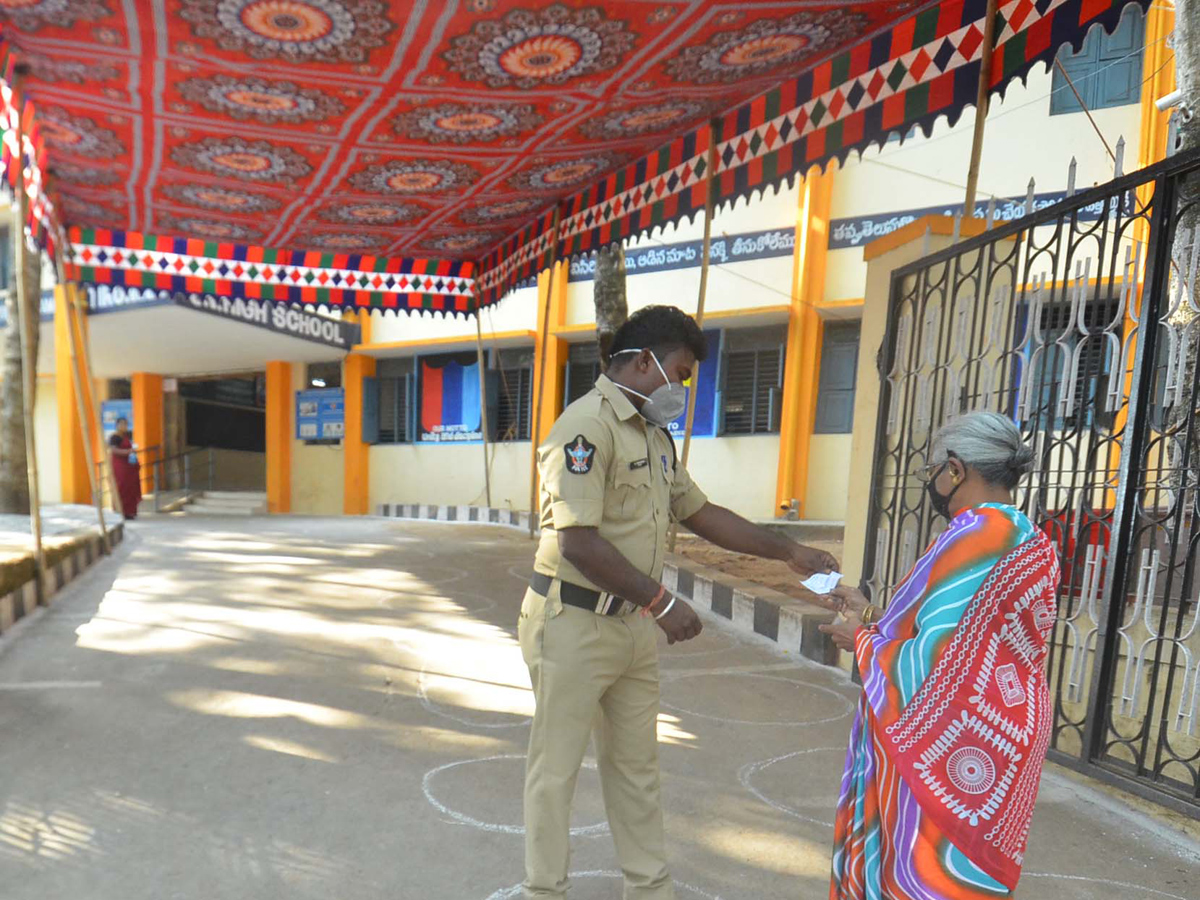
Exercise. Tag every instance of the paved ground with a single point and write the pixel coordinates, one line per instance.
(294, 708)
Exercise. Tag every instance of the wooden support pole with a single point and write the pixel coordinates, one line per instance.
(77, 378)
(483, 412)
(541, 373)
(981, 105)
(81, 339)
(710, 176)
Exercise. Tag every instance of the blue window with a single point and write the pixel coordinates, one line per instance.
(839, 368)
(1107, 70)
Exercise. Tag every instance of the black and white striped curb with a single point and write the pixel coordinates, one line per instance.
(19, 603)
(751, 607)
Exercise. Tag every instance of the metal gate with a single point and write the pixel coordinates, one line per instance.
(1080, 323)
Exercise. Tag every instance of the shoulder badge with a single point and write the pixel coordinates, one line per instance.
(580, 455)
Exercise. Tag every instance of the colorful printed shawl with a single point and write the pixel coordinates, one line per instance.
(947, 748)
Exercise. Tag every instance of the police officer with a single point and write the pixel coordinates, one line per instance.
(611, 484)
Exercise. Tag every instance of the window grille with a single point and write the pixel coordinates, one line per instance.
(514, 396)
(752, 381)
(583, 368)
(395, 398)
(1061, 337)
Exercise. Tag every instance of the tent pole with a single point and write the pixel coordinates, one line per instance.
(535, 436)
(77, 321)
(30, 318)
(981, 106)
(483, 412)
(709, 199)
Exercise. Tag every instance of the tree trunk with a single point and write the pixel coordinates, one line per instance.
(14, 475)
(611, 308)
(1186, 43)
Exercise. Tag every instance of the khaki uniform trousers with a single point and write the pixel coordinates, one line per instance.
(592, 673)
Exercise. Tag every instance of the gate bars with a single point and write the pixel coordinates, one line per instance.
(1081, 323)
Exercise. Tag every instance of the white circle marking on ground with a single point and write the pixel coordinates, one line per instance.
(849, 707)
(427, 702)
(515, 891)
(495, 827)
(1104, 881)
(747, 772)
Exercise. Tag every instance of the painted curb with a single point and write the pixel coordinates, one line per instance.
(751, 607)
(19, 603)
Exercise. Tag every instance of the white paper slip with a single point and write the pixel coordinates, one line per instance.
(823, 582)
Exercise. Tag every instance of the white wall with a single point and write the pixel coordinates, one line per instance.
(45, 430)
(450, 474)
(738, 472)
(1021, 141)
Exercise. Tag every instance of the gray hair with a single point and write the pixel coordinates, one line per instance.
(987, 442)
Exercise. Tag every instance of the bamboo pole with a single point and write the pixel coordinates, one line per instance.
(535, 436)
(29, 318)
(85, 425)
(483, 412)
(981, 105)
(85, 430)
(709, 200)
(81, 342)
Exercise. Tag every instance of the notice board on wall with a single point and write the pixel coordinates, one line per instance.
(321, 414)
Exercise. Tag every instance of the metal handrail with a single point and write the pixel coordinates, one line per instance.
(161, 474)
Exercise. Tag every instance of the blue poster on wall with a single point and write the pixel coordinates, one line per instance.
(110, 412)
(321, 414)
(705, 423)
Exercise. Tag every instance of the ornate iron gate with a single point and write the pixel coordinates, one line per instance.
(1079, 321)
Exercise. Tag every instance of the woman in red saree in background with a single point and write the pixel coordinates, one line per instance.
(126, 471)
(947, 747)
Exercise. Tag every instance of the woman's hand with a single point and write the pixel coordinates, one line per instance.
(808, 560)
(842, 630)
(849, 599)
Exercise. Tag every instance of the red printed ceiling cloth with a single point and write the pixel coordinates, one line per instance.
(360, 129)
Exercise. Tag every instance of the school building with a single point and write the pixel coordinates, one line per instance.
(343, 415)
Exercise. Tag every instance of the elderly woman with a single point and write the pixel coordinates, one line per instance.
(947, 747)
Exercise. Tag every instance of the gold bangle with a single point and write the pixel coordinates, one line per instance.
(868, 614)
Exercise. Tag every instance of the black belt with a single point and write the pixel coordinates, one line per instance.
(599, 602)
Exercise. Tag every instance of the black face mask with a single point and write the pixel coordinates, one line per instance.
(940, 502)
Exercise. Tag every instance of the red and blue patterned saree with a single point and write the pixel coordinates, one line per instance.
(947, 747)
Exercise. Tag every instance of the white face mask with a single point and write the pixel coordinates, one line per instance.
(667, 402)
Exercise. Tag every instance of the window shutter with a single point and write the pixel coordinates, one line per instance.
(370, 411)
(388, 425)
(1107, 71)
(839, 369)
(404, 428)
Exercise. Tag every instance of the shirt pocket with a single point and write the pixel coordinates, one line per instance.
(631, 482)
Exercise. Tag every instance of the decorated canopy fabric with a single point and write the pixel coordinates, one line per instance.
(405, 133)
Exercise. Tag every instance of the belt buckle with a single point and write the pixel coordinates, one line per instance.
(605, 603)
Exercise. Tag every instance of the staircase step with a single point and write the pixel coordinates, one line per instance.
(229, 501)
(250, 496)
(207, 509)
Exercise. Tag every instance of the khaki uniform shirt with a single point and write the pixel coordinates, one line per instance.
(606, 467)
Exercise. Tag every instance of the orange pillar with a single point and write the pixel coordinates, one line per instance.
(802, 368)
(279, 437)
(148, 423)
(356, 455)
(556, 349)
(72, 455)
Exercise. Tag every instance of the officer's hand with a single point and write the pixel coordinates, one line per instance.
(681, 623)
(809, 560)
